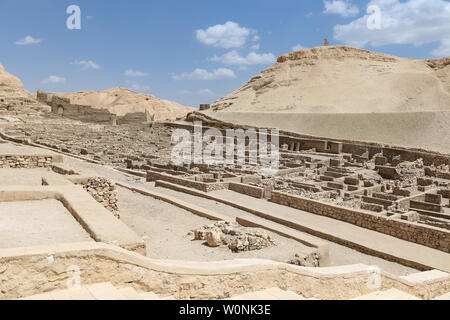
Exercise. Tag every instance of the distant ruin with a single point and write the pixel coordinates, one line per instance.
(63, 107)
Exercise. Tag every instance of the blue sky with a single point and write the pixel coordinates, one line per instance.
(196, 51)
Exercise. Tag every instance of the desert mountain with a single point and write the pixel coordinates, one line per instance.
(121, 101)
(14, 98)
(340, 79)
(9, 80)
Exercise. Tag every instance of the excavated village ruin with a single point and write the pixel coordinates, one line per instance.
(92, 206)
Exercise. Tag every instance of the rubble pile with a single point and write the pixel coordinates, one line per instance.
(103, 191)
(237, 238)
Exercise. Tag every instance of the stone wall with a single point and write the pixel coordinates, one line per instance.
(246, 189)
(25, 161)
(63, 107)
(323, 144)
(104, 192)
(205, 187)
(185, 280)
(428, 236)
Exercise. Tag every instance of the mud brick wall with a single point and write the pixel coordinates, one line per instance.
(426, 206)
(205, 187)
(445, 193)
(23, 161)
(382, 202)
(372, 207)
(428, 236)
(246, 189)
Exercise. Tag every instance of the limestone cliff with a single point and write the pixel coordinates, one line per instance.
(14, 98)
(341, 79)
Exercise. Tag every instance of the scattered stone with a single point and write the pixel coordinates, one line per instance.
(237, 238)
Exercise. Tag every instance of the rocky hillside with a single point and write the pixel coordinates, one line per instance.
(14, 99)
(121, 101)
(340, 79)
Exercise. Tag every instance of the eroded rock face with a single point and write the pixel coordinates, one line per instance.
(9, 80)
(14, 99)
(230, 234)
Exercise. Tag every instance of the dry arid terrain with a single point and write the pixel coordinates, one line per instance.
(121, 101)
(89, 188)
(340, 79)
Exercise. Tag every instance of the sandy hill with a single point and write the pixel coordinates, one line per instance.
(9, 80)
(121, 101)
(14, 98)
(340, 79)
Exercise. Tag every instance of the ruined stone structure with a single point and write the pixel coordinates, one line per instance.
(63, 107)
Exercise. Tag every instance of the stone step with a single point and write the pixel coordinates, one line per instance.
(99, 291)
(105, 291)
(443, 297)
(149, 296)
(391, 294)
(130, 294)
(269, 294)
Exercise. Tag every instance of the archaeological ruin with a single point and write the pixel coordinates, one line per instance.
(164, 202)
(333, 210)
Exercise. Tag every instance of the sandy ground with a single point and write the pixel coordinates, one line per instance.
(339, 255)
(25, 177)
(167, 229)
(426, 130)
(34, 223)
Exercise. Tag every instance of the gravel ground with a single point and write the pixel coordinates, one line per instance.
(167, 227)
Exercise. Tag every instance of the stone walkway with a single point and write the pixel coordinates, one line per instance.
(347, 232)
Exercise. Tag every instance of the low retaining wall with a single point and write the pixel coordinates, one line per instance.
(26, 161)
(428, 236)
(192, 280)
(202, 186)
(101, 225)
(246, 189)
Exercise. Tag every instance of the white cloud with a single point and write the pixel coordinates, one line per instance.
(133, 73)
(206, 92)
(86, 65)
(28, 40)
(415, 22)
(202, 74)
(341, 7)
(228, 35)
(185, 92)
(233, 57)
(255, 47)
(54, 79)
(297, 47)
(443, 50)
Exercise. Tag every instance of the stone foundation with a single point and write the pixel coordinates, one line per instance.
(428, 236)
(25, 161)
